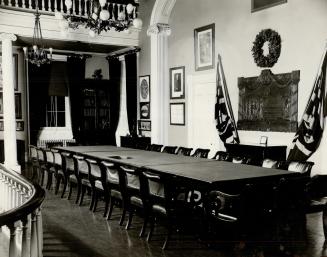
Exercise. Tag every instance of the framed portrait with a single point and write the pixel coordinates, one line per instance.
(145, 110)
(144, 86)
(19, 125)
(177, 82)
(177, 114)
(15, 62)
(204, 47)
(18, 105)
(1, 125)
(144, 125)
(257, 5)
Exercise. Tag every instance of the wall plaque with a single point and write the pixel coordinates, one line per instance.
(269, 102)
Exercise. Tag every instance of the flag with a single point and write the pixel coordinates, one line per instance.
(309, 133)
(223, 109)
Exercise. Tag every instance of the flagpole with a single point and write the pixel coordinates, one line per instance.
(228, 102)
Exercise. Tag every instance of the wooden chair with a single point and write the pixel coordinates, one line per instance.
(95, 179)
(71, 174)
(49, 167)
(59, 172)
(301, 167)
(33, 159)
(112, 187)
(155, 148)
(82, 172)
(221, 156)
(132, 199)
(201, 153)
(169, 149)
(184, 151)
(269, 163)
(41, 164)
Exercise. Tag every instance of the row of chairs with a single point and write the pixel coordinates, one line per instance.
(131, 189)
(199, 152)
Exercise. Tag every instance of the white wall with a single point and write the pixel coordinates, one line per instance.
(302, 25)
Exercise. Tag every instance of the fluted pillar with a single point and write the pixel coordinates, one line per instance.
(10, 147)
(159, 82)
(122, 128)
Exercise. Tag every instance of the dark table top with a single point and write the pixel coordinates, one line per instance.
(199, 169)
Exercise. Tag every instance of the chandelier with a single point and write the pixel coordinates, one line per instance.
(37, 55)
(99, 15)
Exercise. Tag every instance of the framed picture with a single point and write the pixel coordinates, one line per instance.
(257, 5)
(144, 125)
(1, 125)
(19, 125)
(177, 82)
(204, 47)
(177, 114)
(145, 110)
(263, 140)
(144, 82)
(15, 62)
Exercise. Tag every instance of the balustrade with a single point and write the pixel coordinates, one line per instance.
(20, 214)
(80, 8)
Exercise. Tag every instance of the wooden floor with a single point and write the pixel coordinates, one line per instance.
(71, 230)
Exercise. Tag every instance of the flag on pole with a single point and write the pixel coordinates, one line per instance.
(309, 133)
(223, 109)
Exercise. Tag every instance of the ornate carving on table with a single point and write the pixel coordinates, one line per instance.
(269, 102)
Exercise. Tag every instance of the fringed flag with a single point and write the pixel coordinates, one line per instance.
(223, 109)
(309, 133)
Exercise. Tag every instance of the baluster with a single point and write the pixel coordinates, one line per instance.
(56, 6)
(80, 8)
(91, 7)
(49, 6)
(74, 7)
(9, 3)
(42, 7)
(134, 13)
(62, 6)
(0, 2)
(8, 193)
(24, 237)
(39, 231)
(12, 243)
(13, 195)
(16, 3)
(34, 244)
(85, 8)
(113, 11)
(118, 10)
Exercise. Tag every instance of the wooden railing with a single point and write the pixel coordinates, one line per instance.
(20, 216)
(79, 8)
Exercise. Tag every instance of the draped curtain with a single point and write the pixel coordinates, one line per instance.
(131, 92)
(114, 78)
(38, 94)
(76, 75)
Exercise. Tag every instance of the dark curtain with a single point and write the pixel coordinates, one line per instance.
(76, 75)
(131, 92)
(38, 94)
(114, 77)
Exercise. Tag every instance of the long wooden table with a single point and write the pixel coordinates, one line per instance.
(195, 169)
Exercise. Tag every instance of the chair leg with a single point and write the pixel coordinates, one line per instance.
(130, 218)
(145, 221)
(49, 183)
(324, 222)
(111, 206)
(95, 201)
(106, 199)
(82, 195)
(79, 189)
(70, 190)
(122, 218)
(93, 196)
(65, 187)
(57, 184)
(152, 221)
(168, 236)
(42, 177)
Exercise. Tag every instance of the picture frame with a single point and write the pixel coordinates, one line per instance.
(177, 82)
(15, 62)
(144, 86)
(145, 110)
(177, 114)
(1, 125)
(19, 125)
(204, 47)
(144, 125)
(258, 5)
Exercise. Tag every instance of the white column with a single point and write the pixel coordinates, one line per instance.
(122, 128)
(159, 83)
(10, 147)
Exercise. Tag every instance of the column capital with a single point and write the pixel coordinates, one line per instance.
(155, 29)
(9, 36)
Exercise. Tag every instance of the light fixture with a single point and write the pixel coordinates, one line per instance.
(100, 15)
(37, 55)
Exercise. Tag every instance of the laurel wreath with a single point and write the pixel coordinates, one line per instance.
(271, 36)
